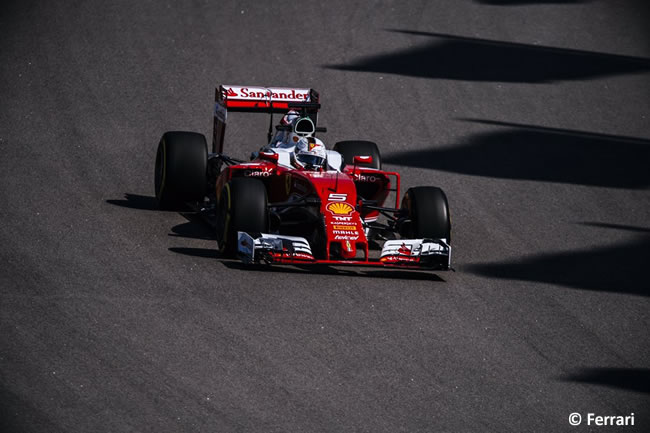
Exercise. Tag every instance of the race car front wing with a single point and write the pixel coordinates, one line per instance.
(434, 254)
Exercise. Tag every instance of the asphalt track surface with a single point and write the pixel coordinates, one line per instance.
(532, 115)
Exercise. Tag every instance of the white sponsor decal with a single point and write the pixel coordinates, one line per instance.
(303, 256)
(257, 173)
(345, 238)
(365, 178)
(337, 197)
(345, 232)
(280, 94)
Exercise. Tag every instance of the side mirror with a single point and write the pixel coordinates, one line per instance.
(269, 156)
(363, 159)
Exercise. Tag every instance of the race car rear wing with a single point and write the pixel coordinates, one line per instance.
(254, 99)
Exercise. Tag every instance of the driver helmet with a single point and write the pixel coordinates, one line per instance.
(310, 153)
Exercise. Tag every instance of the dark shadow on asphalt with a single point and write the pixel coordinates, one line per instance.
(135, 201)
(630, 379)
(516, 151)
(193, 230)
(529, 2)
(206, 253)
(627, 228)
(18, 414)
(617, 268)
(328, 270)
(308, 269)
(471, 59)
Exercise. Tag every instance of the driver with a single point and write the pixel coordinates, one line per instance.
(310, 154)
(296, 136)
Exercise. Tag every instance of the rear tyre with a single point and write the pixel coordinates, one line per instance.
(428, 212)
(181, 163)
(350, 149)
(241, 208)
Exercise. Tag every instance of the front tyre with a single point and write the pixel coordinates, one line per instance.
(242, 207)
(181, 163)
(428, 212)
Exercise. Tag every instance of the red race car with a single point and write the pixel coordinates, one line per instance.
(296, 202)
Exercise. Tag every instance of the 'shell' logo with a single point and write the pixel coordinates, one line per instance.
(312, 144)
(340, 208)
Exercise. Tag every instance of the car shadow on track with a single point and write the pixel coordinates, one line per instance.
(204, 253)
(631, 379)
(529, 2)
(19, 414)
(193, 229)
(328, 270)
(400, 274)
(617, 268)
(471, 59)
(538, 153)
(136, 201)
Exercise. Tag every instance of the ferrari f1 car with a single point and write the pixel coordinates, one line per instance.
(294, 201)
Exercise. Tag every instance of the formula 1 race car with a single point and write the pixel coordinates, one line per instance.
(296, 202)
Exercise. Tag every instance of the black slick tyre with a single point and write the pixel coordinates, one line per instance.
(352, 148)
(181, 163)
(428, 212)
(242, 207)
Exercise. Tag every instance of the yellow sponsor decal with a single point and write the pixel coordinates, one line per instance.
(340, 208)
(348, 228)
